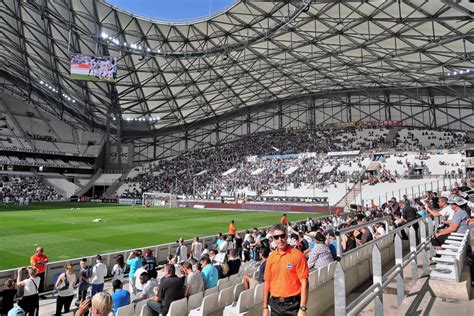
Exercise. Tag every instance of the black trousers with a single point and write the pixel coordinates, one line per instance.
(41, 285)
(288, 308)
(30, 304)
(437, 242)
(63, 301)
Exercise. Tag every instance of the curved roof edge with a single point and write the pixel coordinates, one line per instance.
(186, 22)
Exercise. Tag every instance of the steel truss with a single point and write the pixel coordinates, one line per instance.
(259, 65)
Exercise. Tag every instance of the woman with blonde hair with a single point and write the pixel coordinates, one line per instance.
(102, 305)
(65, 285)
(30, 300)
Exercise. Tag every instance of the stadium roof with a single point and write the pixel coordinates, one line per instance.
(255, 53)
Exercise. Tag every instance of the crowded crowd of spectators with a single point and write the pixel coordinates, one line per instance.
(199, 172)
(22, 190)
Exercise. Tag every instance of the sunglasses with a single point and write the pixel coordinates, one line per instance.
(276, 237)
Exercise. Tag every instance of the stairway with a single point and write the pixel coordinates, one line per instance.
(90, 184)
(352, 193)
(392, 133)
(112, 189)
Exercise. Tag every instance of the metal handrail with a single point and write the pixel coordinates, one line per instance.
(381, 281)
(340, 232)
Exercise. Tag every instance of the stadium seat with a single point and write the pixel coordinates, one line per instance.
(139, 306)
(210, 291)
(313, 279)
(222, 284)
(244, 302)
(179, 307)
(208, 306)
(145, 311)
(126, 310)
(235, 278)
(226, 297)
(258, 295)
(238, 288)
(194, 301)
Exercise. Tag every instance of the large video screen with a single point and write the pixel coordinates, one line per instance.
(95, 68)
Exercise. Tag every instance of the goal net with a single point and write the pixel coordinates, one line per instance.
(150, 199)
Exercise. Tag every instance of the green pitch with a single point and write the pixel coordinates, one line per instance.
(71, 233)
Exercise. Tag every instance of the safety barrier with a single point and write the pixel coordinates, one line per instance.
(380, 280)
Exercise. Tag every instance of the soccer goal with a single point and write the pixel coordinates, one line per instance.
(150, 199)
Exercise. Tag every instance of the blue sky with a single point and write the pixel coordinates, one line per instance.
(172, 10)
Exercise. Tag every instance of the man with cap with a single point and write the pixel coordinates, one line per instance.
(320, 256)
(459, 223)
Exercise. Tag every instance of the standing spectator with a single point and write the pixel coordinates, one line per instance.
(138, 273)
(320, 256)
(232, 229)
(84, 280)
(120, 297)
(171, 289)
(150, 264)
(238, 245)
(100, 305)
(409, 214)
(286, 278)
(284, 220)
(39, 261)
(134, 261)
(118, 270)
(30, 300)
(99, 271)
(209, 273)
(193, 282)
(196, 249)
(7, 296)
(65, 285)
(181, 251)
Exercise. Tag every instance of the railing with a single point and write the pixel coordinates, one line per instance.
(417, 190)
(338, 234)
(380, 280)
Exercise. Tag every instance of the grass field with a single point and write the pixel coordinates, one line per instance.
(66, 233)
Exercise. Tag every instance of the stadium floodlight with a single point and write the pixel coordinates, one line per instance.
(455, 73)
(73, 101)
(69, 98)
(468, 71)
(148, 49)
(461, 72)
(104, 35)
(128, 119)
(41, 82)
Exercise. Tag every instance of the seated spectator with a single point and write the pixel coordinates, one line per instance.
(209, 273)
(459, 224)
(234, 263)
(193, 282)
(171, 289)
(320, 256)
(264, 253)
(120, 297)
(148, 286)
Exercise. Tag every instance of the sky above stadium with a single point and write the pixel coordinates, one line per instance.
(173, 10)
